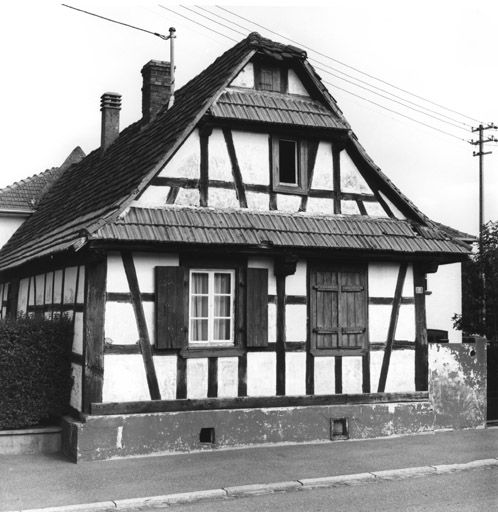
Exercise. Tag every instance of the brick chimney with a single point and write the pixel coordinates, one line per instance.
(110, 105)
(156, 88)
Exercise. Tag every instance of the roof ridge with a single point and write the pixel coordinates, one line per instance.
(24, 181)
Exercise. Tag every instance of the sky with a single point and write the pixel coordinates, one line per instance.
(57, 62)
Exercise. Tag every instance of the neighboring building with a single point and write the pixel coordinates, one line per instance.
(238, 269)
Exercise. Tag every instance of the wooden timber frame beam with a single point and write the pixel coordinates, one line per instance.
(392, 327)
(143, 332)
(421, 341)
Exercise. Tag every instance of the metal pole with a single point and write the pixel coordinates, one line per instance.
(172, 37)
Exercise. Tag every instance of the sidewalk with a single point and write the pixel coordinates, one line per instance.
(42, 481)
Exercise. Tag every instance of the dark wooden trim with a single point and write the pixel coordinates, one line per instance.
(93, 334)
(204, 167)
(397, 345)
(421, 341)
(392, 327)
(112, 349)
(181, 378)
(242, 376)
(60, 308)
(212, 377)
(77, 359)
(361, 207)
(13, 297)
(193, 352)
(63, 284)
(290, 299)
(312, 152)
(143, 332)
(365, 366)
(126, 297)
(388, 301)
(338, 374)
(237, 175)
(281, 337)
(295, 346)
(172, 195)
(336, 166)
(159, 406)
(310, 373)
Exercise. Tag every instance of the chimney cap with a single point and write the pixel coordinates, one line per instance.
(110, 100)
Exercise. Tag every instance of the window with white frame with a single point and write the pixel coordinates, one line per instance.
(211, 306)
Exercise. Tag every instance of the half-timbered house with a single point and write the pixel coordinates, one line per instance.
(237, 268)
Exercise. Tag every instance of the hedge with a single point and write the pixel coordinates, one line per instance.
(35, 370)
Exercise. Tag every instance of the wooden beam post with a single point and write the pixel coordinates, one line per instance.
(93, 334)
(421, 346)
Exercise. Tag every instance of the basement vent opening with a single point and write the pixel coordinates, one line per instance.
(339, 429)
(207, 435)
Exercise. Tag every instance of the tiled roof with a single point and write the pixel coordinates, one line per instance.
(249, 229)
(274, 108)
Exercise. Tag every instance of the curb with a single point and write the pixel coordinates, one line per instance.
(241, 491)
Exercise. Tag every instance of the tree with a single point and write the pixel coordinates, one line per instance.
(480, 288)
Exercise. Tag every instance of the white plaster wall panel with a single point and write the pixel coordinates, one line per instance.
(295, 322)
(116, 276)
(253, 156)
(22, 300)
(351, 178)
(261, 374)
(120, 324)
(272, 323)
(375, 209)
(295, 373)
(295, 284)
(58, 286)
(317, 205)
(254, 262)
(376, 358)
(223, 198)
(166, 376)
(295, 84)
(245, 78)
(76, 399)
(49, 287)
(31, 294)
(323, 177)
(288, 203)
(145, 264)
(393, 208)
(220, 167)
(352, 374)
(408, 289)
(78, 333)
(379, 316)
(186, 161)
(150, 315)
(382, 278)
(40, 289)
(405, 328)
(188, 197)
(350, 208)
(401, 374)
(197, 378)
(124, 379)
(81, 286)
(70, 280)
(257, 201)
(324, 375)
(445, 299)
(228, 377)
(8, 226)
(153, 196)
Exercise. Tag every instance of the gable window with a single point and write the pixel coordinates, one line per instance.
(212, 306)
(288, 165)
(338, 310)
(271, 78)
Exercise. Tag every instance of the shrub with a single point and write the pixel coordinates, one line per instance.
(35, 370)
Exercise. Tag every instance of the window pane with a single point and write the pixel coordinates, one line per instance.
(287, 162)
(199, 330)
(199, 282)
(222, 330)
(199, 307)
(222, 306)
(222, 283)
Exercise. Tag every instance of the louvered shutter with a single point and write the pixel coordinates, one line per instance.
(171, 307)
(257, 307)
(352, 308)
(325, 310)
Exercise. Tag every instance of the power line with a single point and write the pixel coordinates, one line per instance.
(348, 66)
(118, 22)
(210, 19)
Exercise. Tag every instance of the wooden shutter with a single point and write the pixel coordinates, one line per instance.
(171, 307)
(257, 307)
(338, 309)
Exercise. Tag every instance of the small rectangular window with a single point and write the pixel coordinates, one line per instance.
(211, 306)
(289, 161)
(270, 78)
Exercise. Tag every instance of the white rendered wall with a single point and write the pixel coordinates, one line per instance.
(445, 299)
(8, 225)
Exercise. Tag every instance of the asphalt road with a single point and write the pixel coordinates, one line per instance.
(458, 492)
